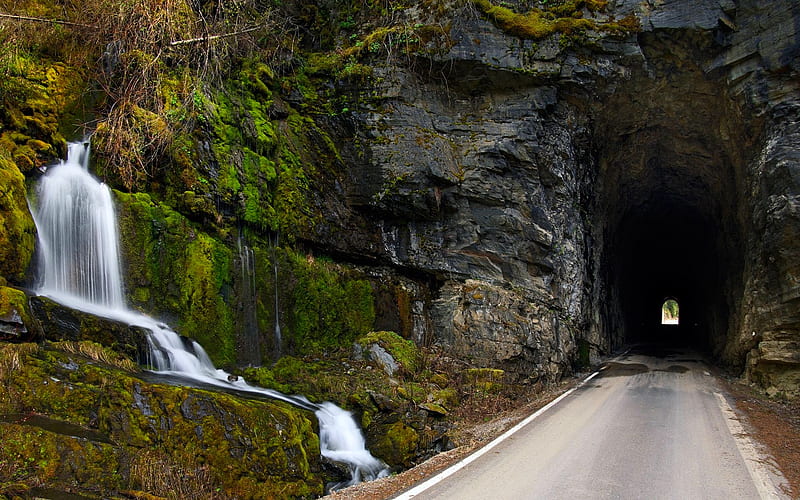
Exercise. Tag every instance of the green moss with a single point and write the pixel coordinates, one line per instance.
(41, 100)
(328, 308)
(264, 377)
(449, 397)
(486, 380)
(175, 269)
(397, 445)
(207, 317)
(174, 442)
(403, 351)
(562, 17)
(17, 231)
(15, 301)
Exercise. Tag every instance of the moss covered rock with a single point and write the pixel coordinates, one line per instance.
(16, 322)
(77, 424)
(485, 380)
(178, 272)
(395, 443)
(17, 231)
(405, 352)
(329, 305)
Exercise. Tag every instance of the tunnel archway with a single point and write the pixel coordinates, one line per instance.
(670, 153)
(670, 311)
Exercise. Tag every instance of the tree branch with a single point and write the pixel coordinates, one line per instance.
(213, 37)
(42, 20)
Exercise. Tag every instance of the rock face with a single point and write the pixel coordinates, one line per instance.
(560, 192)
(527, 201)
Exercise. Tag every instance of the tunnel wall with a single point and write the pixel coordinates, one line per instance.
(524, 179)
(707, 134)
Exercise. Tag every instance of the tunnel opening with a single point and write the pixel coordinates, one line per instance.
(670, 312)
(669, 250)
(671, 153)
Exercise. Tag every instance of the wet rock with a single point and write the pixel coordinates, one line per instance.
(16, 323)
(62, 323)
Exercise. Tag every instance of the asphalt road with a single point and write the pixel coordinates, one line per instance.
(646, 427)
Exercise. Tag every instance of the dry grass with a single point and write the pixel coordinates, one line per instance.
(153, 472)
(11, 357)
(132, 48)
(97, 352)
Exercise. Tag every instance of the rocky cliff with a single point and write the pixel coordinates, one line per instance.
(560, 188)
(520, 184)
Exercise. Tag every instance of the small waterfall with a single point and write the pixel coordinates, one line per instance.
(278, 338)
(250, 333)
(80, 260)
(78, 238)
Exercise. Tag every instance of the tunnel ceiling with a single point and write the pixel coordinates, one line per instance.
(669, 153)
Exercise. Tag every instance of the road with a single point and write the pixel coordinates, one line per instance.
(646, 427)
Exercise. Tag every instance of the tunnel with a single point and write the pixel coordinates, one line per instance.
(671, 146)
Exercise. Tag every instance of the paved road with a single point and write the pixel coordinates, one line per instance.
(646, 427)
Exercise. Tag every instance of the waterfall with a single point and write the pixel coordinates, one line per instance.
(250, 331)
(78, 238)
(79, 255)
(278, 339)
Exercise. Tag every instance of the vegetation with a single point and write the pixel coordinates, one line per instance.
(141, 439)
(564, 17)
(328, 308)
(670, 310)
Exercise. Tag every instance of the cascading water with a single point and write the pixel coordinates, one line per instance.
(251, 343)
(79, 256)
(77, 229)
(278, 339)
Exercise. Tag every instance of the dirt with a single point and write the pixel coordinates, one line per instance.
(773, 423)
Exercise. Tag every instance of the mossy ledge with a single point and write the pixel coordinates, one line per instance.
(72, 422)
(566, 18)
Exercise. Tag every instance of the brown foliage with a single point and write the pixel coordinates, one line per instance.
(134, 46)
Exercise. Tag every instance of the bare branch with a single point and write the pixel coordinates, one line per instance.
(42, 20)
(213, 37)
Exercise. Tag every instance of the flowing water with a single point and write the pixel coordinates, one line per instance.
(278, 336)
(79, 261)
(250, 335)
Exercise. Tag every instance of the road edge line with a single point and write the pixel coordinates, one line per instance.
(763, 471)
(482, 451)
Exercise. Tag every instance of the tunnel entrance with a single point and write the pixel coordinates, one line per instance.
(670, 312)
(648, 263)
(670, 155)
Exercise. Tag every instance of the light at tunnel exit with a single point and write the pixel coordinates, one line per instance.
(670, 312)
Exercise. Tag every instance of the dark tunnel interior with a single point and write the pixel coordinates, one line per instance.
(669, 250)
(671, 150)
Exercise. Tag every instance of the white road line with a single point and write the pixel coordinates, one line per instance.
(460, 465)
(765, 474)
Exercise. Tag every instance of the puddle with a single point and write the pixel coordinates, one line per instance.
(673, 369)
(56, 426)
(614, 369)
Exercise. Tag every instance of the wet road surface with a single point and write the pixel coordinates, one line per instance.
(654, 427)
